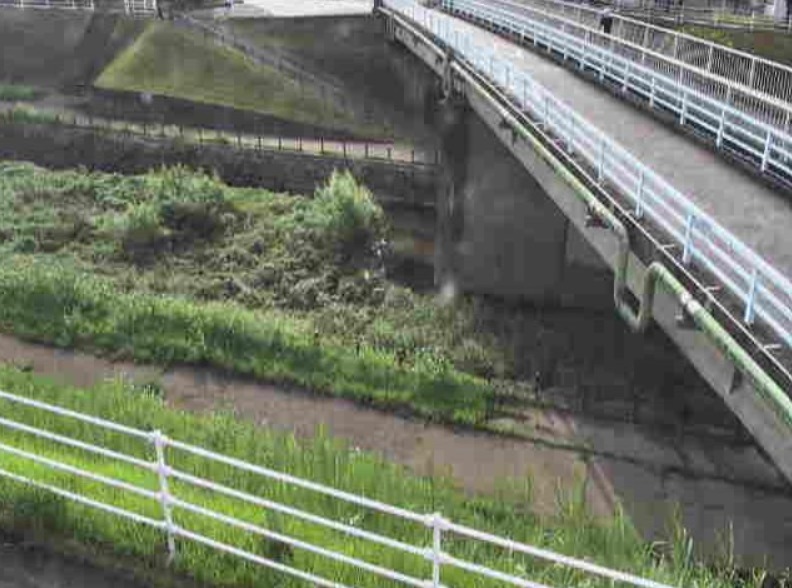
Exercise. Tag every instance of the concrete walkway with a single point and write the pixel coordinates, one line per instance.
(757, 214)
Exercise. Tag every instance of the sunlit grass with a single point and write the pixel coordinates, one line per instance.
(320, 459)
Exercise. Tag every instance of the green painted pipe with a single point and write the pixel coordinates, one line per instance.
(655, 272)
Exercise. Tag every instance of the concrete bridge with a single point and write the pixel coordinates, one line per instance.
(603, 190)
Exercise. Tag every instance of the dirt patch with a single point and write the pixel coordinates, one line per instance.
(476, 461)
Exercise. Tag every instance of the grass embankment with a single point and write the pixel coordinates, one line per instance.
(771, 45)
(183, 64)
(322, 460)
(175, 267)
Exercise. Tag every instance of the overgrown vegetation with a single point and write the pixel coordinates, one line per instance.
(15, 92)
(323, 460)
(318, 261)
(181, 256)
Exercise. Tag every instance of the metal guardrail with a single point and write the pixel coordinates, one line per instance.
(443, 531)
(761, 291)
(130, 7)
(515, 17)
(349, 150)
(766, 147)
(743, 69)
(750, 20)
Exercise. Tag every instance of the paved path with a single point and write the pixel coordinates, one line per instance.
(761, 217)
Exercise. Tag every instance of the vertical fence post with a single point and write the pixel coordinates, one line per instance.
(437, 524)
(688, 246)
(683, 111)
(652, 92)
(751, 304)
(164, 494)
(639, 195)
(601, 162)
(721, 128)
(766, 153)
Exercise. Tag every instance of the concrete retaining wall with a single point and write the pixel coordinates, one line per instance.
(67, 147)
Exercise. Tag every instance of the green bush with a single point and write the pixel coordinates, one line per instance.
(344, 214)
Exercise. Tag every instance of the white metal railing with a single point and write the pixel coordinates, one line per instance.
(171, 501)
(130, 7)
(744, 69)
(676, 75)
(675, 88)
(752, 19)
(762, 291)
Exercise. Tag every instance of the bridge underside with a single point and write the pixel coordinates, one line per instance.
(566, 214)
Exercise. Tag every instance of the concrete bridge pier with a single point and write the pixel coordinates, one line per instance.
(498, 232)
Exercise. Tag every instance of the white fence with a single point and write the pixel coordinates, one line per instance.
(130, 7)
(675, 74)
(749, 19)
(762, 292)
(170, 501)
(747, 71)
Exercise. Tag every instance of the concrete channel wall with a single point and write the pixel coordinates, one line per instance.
(66, 147)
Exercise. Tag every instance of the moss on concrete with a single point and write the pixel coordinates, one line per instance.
(181, 63)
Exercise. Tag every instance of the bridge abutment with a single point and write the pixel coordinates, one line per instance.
(498, 232)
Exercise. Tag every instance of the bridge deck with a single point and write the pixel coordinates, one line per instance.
(756, 213)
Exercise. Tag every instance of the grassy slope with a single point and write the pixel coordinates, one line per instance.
(180, 63)
(322, 460)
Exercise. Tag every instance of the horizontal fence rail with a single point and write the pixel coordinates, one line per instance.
(743, 69)
(352, 149)
(752, 19)
(762, 292)
(635, 68)
(677, 91)
(130, 7)
(171, 499)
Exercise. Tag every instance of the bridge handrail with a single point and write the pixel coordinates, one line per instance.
(768, 147)
(761, 290)
(763, 107)
(763, 75)
(129, 7)
(168, 499)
